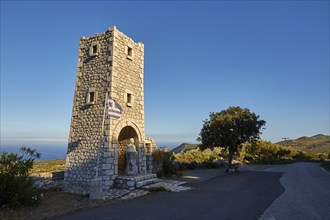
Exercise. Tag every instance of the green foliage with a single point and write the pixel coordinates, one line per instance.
(265, 152)
(160, 173)
(199, 156)
(322, 157)
(164, 159)
(168, 167)
(158, 155)
(230, 128)
(16, 188)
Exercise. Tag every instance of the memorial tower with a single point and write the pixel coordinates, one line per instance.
(110, 72)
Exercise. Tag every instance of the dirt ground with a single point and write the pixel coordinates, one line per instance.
(52, 204)
(60, 203)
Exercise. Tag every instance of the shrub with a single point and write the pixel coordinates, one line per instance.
(199, 156)
(16, 188)
(168, 165)
(158, 162)
(160, 173)
(301, 156)
(322, 157)
(165, 160)
(265, 152)
(158, 155)
(209, 165)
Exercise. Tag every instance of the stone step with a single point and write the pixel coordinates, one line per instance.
(146, 182)
(137, 178)
(131, 182)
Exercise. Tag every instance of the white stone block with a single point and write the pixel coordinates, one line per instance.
(106, 177)
(130, 183)
(107, 154)
(96, 189)
(106, 166)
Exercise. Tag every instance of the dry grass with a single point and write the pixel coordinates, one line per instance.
(53, 204)
(42, 166)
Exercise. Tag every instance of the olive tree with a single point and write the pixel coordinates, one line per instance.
(230, 128)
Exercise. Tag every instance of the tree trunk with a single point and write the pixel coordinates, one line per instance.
(230, 159)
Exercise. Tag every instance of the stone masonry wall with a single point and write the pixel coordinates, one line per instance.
(107, 62)
(126, 78)
(86, 121)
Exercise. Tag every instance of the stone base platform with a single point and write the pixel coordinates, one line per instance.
(136, 181)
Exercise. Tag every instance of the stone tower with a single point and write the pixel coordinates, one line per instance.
(110, 64)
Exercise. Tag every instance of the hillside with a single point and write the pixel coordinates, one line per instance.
(183, 148)
(318, 143)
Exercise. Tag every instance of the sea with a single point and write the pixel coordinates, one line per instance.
(50, 150)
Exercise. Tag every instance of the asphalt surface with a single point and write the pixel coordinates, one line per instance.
(306, 196)
(293, 192)
(244, 195)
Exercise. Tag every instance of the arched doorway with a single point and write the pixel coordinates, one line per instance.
(123, 140)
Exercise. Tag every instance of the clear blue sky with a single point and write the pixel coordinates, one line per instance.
(269, 56)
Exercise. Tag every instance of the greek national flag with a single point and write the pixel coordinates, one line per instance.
(114, 109)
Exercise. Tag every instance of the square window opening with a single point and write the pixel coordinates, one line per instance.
(94, 49)
(129, 98)
(129, 51)
(91, 96)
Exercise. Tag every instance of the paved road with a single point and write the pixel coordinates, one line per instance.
(243, 195)
(306, 196)
(296, 191)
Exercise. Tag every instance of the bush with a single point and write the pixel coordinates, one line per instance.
(265, 152)
(168, 166)
(322, 157)
(165, 160)
(160, 173)
(199, 156)
(16, 188)
(209, 165)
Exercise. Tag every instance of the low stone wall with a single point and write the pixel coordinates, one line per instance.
(157, 165)
(49, 175)
(49, 181)
(149, 163)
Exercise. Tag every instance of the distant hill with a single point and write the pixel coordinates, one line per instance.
(318, 143)
(183, 148)
(166, 149)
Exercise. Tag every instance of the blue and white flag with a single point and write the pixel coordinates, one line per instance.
(114, 109)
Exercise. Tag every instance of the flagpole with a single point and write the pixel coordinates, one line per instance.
(101, 136)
